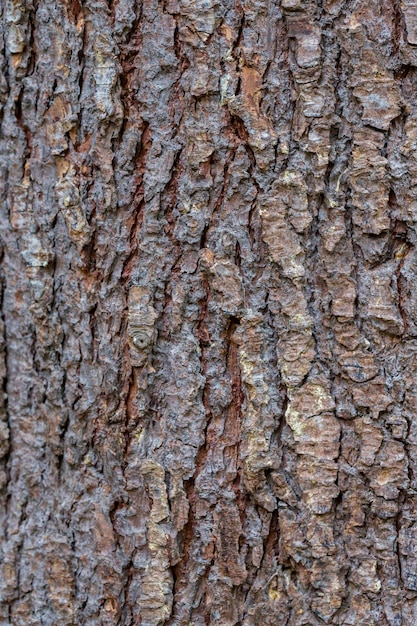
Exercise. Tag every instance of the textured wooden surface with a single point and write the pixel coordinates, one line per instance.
(209, 313)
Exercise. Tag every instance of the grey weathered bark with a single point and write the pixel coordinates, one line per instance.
(209, 273)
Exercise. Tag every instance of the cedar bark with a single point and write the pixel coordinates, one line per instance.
(209, 312)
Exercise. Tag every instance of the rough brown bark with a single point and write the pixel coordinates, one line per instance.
(209, 274)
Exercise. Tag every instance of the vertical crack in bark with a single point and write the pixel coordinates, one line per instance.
(234, 417)
(7, 447)
(138, 205)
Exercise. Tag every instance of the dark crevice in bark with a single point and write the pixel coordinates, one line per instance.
(255, 229)
(138, 204)
(185, 538)
(8, 447)
(132, 413)
(203, 336)
(282, 420)
(237, 41)
(169, 201)
(205, 237)
(20, 121)
(398, 526)
(234, 417)
(399, 28)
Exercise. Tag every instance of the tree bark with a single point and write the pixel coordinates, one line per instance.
(209, 312)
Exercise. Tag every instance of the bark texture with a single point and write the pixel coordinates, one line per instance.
(209, 312)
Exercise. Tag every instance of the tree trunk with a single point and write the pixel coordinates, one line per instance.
(209, 313)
